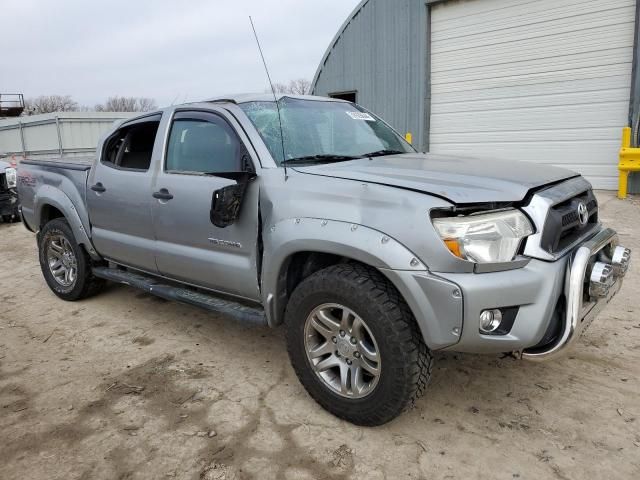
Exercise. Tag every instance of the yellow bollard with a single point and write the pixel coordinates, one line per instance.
(408, 137)
(629, 162)
(626, 137)
(623, 184)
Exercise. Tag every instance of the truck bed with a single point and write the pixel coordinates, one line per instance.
(62, 182)
(78, 163)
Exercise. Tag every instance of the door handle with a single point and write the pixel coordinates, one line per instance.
(163, 194)
(98, 187)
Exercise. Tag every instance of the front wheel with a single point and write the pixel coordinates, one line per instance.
(65, 264)
(355, 345)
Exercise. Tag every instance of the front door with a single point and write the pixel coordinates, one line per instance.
(202, 147)
(119, 196)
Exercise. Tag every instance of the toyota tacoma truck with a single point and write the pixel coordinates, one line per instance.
(8, 193)
(314, 213)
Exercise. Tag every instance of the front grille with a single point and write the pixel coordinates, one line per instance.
(573, 218)
(563, 226)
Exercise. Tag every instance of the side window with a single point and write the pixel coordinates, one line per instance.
(199, 145)
(131, 147)
(112, 148)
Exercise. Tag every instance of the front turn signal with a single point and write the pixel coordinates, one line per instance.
(454, 247)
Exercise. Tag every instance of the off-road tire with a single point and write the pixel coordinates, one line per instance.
(86, 284)
(406, 362)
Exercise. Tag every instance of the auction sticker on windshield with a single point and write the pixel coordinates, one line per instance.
(361, 116)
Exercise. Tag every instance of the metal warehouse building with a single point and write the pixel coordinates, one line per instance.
(547, 81)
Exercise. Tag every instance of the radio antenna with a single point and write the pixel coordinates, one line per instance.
(275, 97)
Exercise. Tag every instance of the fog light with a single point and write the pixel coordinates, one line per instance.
(490, 320)
(620, 261)
(601, 279)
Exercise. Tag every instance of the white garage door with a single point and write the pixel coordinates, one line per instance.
(546, 81)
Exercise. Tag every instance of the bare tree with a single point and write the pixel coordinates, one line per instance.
(280, 88)
(127, 104)
(50, 103)
(301, 86)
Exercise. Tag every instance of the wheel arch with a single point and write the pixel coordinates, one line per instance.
(297, 248)
(52, 203)
(48, 212)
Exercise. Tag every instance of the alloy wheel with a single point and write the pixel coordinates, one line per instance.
(342, 350)
(61, 260)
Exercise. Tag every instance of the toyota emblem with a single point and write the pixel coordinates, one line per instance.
(583, 214)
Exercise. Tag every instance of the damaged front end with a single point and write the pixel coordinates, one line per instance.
(9, 204)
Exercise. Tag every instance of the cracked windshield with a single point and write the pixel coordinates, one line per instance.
(321, 131)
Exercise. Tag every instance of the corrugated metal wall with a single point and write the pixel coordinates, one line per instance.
(381, 54)
(53, 134)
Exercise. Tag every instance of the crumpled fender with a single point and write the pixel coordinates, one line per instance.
(351, 240)
(48, 195)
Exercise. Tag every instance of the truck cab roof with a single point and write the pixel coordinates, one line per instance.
(234, 99)
(266, 97)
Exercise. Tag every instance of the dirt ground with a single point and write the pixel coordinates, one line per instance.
(128, 386)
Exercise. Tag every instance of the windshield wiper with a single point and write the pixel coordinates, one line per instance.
(319, 159)
(382, 153)
(327, 158)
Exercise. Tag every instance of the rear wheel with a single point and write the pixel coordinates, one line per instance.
(355, 345)
(65, 264)
(7, 218)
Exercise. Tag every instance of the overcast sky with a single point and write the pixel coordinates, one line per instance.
(172, 51)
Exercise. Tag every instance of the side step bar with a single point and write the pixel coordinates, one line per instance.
(242, 313)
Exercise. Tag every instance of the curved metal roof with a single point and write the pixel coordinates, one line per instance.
(335, 41)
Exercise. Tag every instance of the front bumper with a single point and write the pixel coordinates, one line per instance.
(593, 277)
(8, 203)
(549, 297)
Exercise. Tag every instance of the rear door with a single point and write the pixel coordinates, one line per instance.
(119, 195)
(203, 150)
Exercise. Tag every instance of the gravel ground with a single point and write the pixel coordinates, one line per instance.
(128, 386)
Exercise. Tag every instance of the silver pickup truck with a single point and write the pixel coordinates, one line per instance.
(314, 213)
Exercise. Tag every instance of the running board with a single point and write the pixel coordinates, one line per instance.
(242, 313)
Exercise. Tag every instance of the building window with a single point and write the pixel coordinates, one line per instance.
(348, 96)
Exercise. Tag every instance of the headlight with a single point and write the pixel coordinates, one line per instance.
(484, 237)
(12, 177)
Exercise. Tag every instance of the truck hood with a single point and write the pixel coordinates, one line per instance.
(457, 179)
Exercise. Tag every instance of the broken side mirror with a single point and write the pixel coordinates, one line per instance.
(227, 201)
